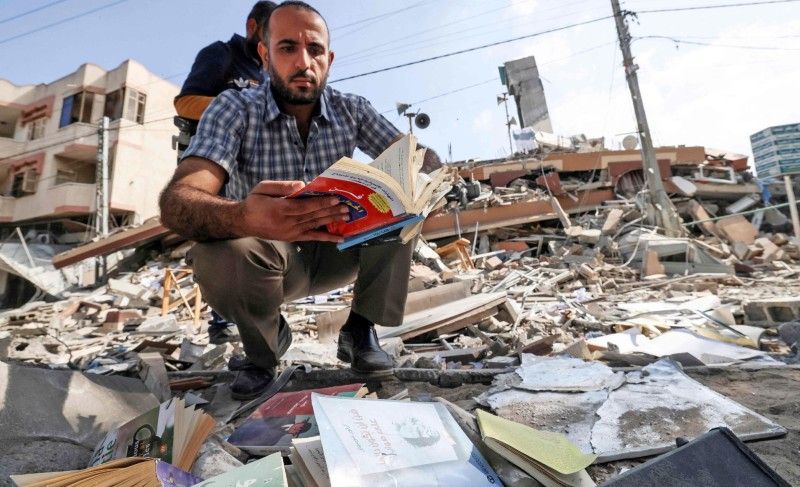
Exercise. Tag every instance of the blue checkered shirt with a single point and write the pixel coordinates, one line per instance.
(248, 136)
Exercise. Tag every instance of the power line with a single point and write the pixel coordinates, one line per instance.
(709, 44)
(448, 93)
(62, 21)
(381, 16)
(471, 49)
(577, 53)
(23, 14)
(706, 7)
(372, 52)
(360, 54)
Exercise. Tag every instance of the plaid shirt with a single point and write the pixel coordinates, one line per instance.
(247, 135)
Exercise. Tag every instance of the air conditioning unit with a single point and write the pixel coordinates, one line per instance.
(29, 180)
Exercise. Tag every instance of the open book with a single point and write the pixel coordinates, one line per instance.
(388, 195)
(548, 457)
(144, 472)
(171, 432)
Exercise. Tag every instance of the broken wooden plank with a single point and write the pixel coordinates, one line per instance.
(445, 316)
(144, 233)
(329, 324)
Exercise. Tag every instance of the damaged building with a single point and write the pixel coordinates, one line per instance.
(48, 166)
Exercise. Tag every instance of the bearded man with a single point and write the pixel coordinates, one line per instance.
(257, 249)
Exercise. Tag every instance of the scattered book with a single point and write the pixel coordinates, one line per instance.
(171, 432)
(268, 472)
(138, 471)
(548, 457)
(308, 458)
(388, 443)
(389, 196)
(284, 417)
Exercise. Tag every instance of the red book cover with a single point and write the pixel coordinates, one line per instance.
(283, 417)
(368, 209)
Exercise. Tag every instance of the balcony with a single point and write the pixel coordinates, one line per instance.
(67, 199)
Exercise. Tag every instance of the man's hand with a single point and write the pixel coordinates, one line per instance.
(266, 214)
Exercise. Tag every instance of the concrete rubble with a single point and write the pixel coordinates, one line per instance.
(532, 264)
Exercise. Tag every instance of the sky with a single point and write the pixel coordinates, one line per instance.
(733, 71)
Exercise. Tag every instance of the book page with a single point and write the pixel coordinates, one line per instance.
(313, 457)
(371, 180)
(381, 436)
(433, 189)
(397, 162)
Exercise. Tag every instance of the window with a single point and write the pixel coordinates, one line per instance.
(134, 107)
(36, 129)
(125, 103)
(77, 108)
(113, 107)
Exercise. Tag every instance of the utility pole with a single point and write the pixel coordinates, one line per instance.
(665, 214)
(509, 121)
(101, 189)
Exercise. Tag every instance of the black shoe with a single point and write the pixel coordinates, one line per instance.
(218, 335)
(360, 348)
(251, 381)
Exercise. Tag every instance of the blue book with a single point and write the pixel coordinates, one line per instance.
(379, 232)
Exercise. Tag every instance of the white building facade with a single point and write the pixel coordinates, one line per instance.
(49, 142)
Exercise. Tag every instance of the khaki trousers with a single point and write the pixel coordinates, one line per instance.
(247, 279)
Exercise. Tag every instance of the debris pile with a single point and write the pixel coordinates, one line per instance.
(539, 293)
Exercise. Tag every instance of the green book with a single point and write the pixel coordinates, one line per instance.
(267, 472)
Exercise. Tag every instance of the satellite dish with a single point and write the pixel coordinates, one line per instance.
(500, 99)
(512, 121)
(402, 107)
(422, 120)
(630, 142)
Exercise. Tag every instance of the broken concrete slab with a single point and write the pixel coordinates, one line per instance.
(640, 418)
(154, 374)
(736, 228)
(772, 311)
(53, 419)
(699, 214)
(158, 325)
(613, 219)
(770, 250)
(565, 374)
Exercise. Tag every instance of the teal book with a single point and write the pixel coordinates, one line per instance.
(267, 472)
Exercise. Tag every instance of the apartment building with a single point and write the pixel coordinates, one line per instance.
(776, 150)
(49, 143)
